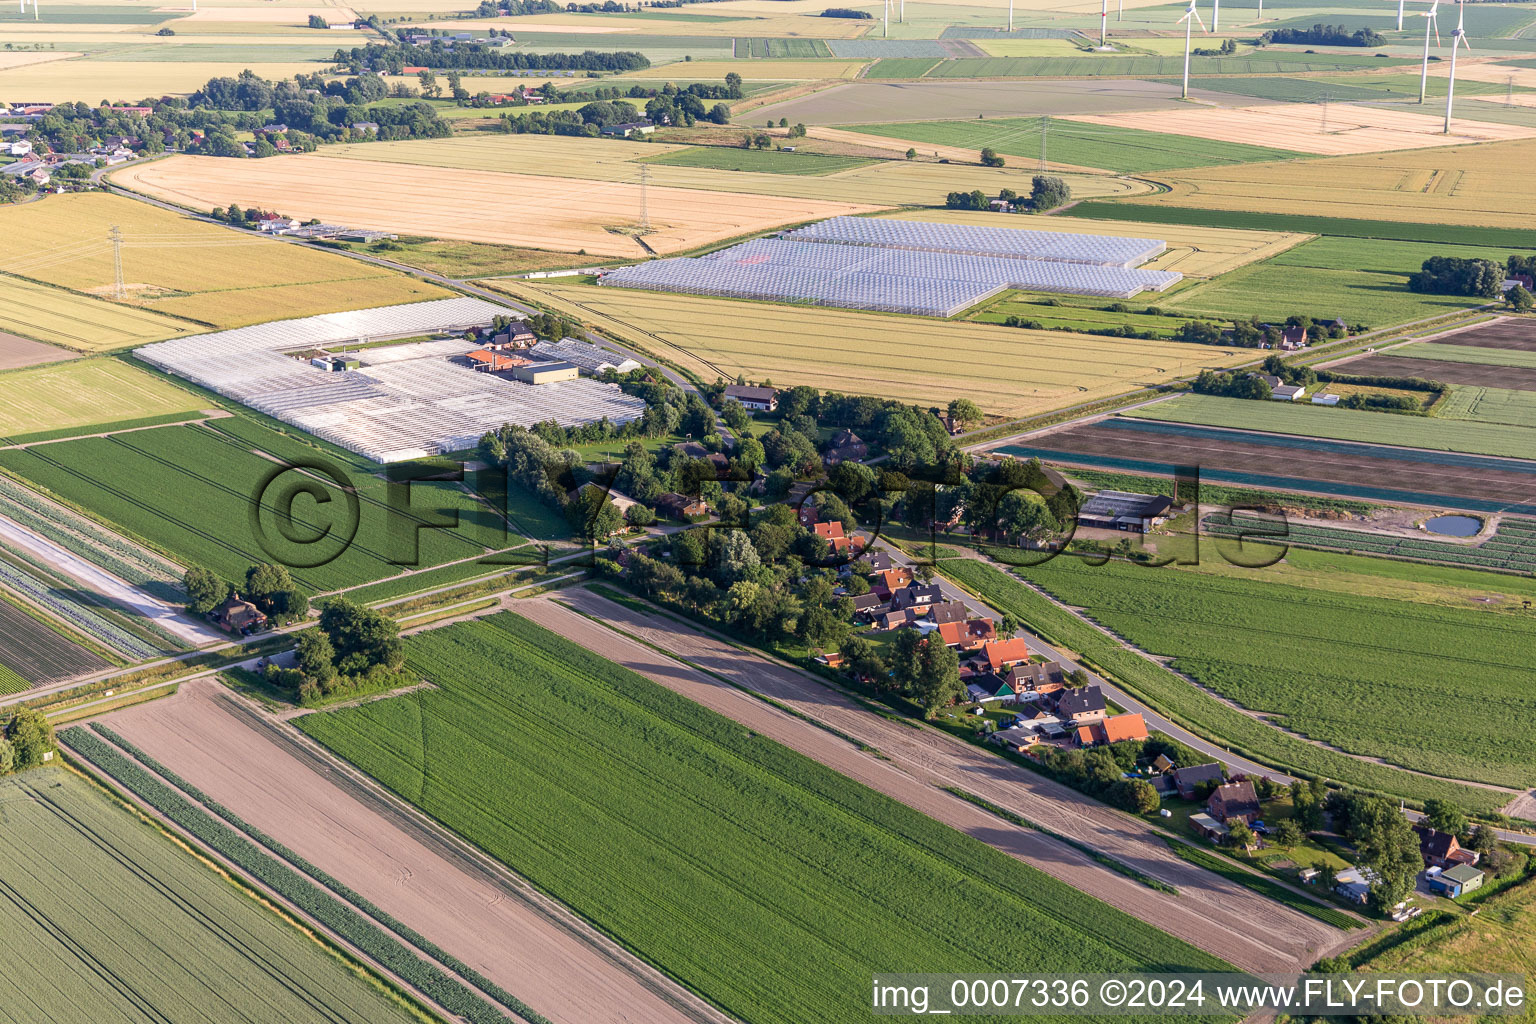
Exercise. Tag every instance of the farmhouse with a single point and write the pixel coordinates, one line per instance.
(1278, 389)
(1189, 780)
(238, 616)
(625, 129)
(677, 506)
(1125, 510)
(1234, 800)
(846, 447)
(1441, 849)
(755, 399)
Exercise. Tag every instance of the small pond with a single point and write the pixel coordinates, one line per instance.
(1454, 526)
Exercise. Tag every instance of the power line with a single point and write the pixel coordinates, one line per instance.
(116, 235)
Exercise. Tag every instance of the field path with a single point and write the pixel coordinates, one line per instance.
(278, 780)
(1216, 915)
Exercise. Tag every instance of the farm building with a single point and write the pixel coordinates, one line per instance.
(902, 266)
(1455, 881)
(403, 401)
(545, 373)
(1124, 510)
(590, 358)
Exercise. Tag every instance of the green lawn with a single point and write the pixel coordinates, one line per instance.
(111, 921)
(702, 846)
(1310, 420)
(725, 158)
(1467, 354)
(1096, 145)
(1204, 714)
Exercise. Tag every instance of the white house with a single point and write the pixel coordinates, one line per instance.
(21, 147)
(1324, 399)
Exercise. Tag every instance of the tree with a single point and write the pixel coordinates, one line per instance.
(639, 515)
(937, 682)
(1519, 299)
(1239, 836)
(720, 114)
(316, 21)
(30, 737)
(1452, 275)
(316, 656)
(1444, 816)
(911, 154)
(1288, 835)
(1007, 625)
(205, 590)
(1136, 795)
(271, 588)
(964, 412)
(989, 158)
(1047, 192)
(732, 555)
(7, 756)
(1388, 845)
(362, 637)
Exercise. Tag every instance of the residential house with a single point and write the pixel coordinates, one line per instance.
(887, 618)
(832, 533)
(1189, 780)
(135, 111)
(1441, 849)
(1114, 729)
(368, 127)
(677, 506)
(1081, 704)
(493, 362)
(1293, 339)
(274, 224)
(21, 147)
(1278, 389)
(1032, 680)
(917, 596)
(1234, 800)
(985, 689)
(865, 606)
(891, 580)
(695, 450)
(621, 501)
(1018, 738)
(1004, 654)
(878, 561)
(517, 335)
(238, 616)
(845, 447)
(1455, 881)
(942, 612)
(969, 636)
(755, 399)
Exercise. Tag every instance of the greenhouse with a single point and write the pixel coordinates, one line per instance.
(930, 236)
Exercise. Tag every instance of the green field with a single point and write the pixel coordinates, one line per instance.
(794, 48)
(1085, 145)
(1467, 354)
(702, 846)
(1270, 63)
(1203, 713)
(189, 490)
(724, 158)
(1310, 420)
(107, 920)
(1073, 313)
(1512, 548)
(1272, 291)
(901, 67)
(1381, 256)
(1488, 405)
(1513, 238)
(1398, 679)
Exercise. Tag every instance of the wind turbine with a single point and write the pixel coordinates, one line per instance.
(1458, 39)
(1104, 26)
(1190, 17)
(1010, 16)
(1399, 15)
(1215, 16)
(1430, 22)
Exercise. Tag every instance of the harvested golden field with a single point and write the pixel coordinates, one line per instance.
(1472, 185)
(21, 60)
(78, 321)
(1005, 370)
(173, 264)
(476, 206)
(84, 393)
(1192, 251)
(268, 14)
(1467, 71)
(889, 182)
(90, 81)
(752, 70)
(1335, 129)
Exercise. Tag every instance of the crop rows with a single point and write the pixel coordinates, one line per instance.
(348, 894)
(91, 542)
(33, 653)
(75, 613)
(1488, 405)
(351, 926)
(1506, 551)
(1331, 665)
(119, 924)
(1208, 716)
(650, 815)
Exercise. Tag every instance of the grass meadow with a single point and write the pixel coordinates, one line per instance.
(116, 919)
(1468, 354)
(640, 810)
(1489, 405)
(84, 393)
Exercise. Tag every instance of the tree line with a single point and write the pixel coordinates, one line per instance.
(471, 55)
(1324, 35)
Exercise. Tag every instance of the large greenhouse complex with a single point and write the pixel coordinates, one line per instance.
(900, 266)
(392, 403)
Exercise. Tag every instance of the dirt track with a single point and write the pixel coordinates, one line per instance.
(530, 945)
(1222, 918)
